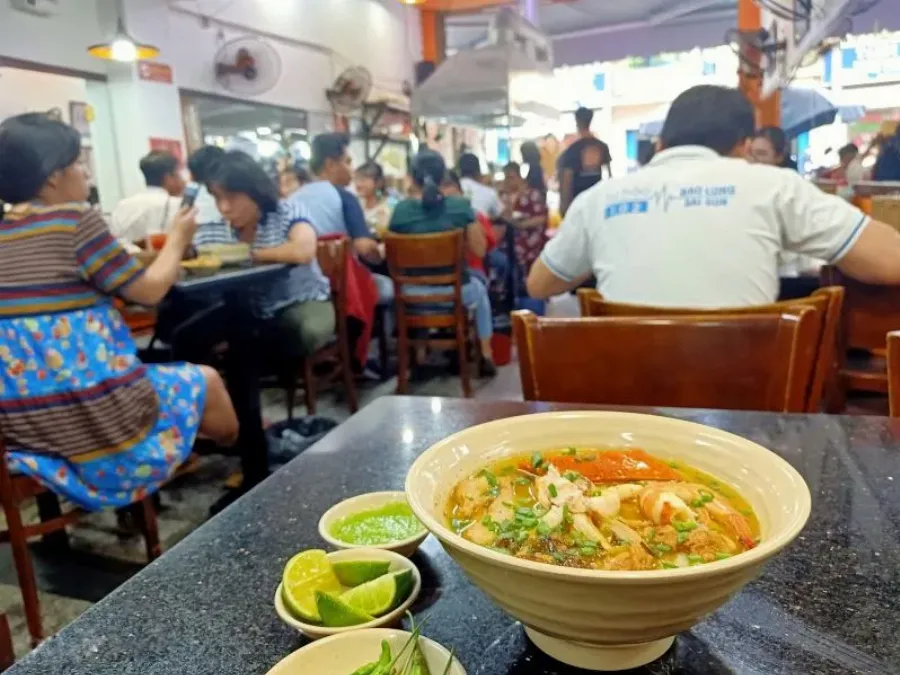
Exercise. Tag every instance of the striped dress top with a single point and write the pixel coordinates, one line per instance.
(71, 384)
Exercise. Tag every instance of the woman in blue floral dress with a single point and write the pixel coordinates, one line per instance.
(79, 412)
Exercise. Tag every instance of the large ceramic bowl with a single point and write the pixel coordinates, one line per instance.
(609, 620)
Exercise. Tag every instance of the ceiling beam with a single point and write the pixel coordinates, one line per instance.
(453, 6)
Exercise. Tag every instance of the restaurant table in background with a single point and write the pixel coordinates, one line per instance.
(828, 605)
(216, 308)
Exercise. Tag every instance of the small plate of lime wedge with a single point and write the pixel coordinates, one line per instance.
(324, 594)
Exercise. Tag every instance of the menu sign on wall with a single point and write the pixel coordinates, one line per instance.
(871, 59)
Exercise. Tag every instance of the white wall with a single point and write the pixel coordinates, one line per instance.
(60, 41)
(24, 91)
(316, 38)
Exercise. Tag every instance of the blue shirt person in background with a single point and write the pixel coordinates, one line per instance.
(332, 209)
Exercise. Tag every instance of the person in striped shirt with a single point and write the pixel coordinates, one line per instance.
(296, 311)
(79, 411)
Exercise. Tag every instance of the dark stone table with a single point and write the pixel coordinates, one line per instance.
(232, 278)
(829, 604)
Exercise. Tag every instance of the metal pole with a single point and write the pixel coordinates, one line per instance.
(768, 111)
(531, 11)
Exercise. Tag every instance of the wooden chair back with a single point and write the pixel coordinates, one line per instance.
(827, 301)
(427, 260)
(333, 256)
(434, 260)
(893, 368)
(870, 311)
(735, 362)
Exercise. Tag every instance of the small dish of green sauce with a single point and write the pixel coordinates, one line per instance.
(385, 524)
(374, 520)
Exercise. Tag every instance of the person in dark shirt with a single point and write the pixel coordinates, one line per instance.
(430, 212)
(887, 167)
(581, 165)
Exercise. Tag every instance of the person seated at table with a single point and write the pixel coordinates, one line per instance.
(702, 227)
(79, 412)
(887, 166)
(478, 264)
(334, 210)
(770, 146)
(428, 212)
(484, 199)
(296, 311)
(152, 211)
(200, 164)
(371, 189)
(292, 178)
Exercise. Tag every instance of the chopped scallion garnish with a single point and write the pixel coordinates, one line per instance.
(552, 490)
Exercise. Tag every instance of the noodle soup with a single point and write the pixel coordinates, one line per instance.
(602, 509)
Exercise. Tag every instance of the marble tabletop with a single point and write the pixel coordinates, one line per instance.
(829, 605)
(229, 278)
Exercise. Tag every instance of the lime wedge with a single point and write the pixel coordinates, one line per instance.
(306, 573)
(355, 572)
(336, 614)
(380, 596)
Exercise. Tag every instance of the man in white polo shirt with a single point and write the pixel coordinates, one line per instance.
(701, 227)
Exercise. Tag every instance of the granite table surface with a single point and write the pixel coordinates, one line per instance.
(236, 277)
(829, 604)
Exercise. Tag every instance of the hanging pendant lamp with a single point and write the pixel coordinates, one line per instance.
(123, 47)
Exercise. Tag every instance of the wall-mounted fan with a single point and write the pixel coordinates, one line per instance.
(247, 66)
(350, 90)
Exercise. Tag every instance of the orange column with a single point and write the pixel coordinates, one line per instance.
(432, 35)
(768, 111)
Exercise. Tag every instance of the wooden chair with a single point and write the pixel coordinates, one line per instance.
(870, 312)
(16, 489)
(893, 367)
(333, 256)
(7, 654)
(827, 301)
(686, 361)
(430, 260)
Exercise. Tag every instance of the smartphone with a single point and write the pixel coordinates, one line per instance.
(190, 195)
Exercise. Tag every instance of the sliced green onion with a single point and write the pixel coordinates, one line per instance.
(460, 524)
(494, 491)
(543, 529)
(682, 537)
(552, 490)
(537, 460)
(523, 481)
(684, 526)
(722, 556)
(663, 548)
(695, 559)
(490, 478)
(666, 565)
(566, 517)
(587, 551)
(572, 476)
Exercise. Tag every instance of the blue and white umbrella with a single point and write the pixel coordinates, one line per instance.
(801, 110)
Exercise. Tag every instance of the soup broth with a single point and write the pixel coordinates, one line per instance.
(603, 509)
